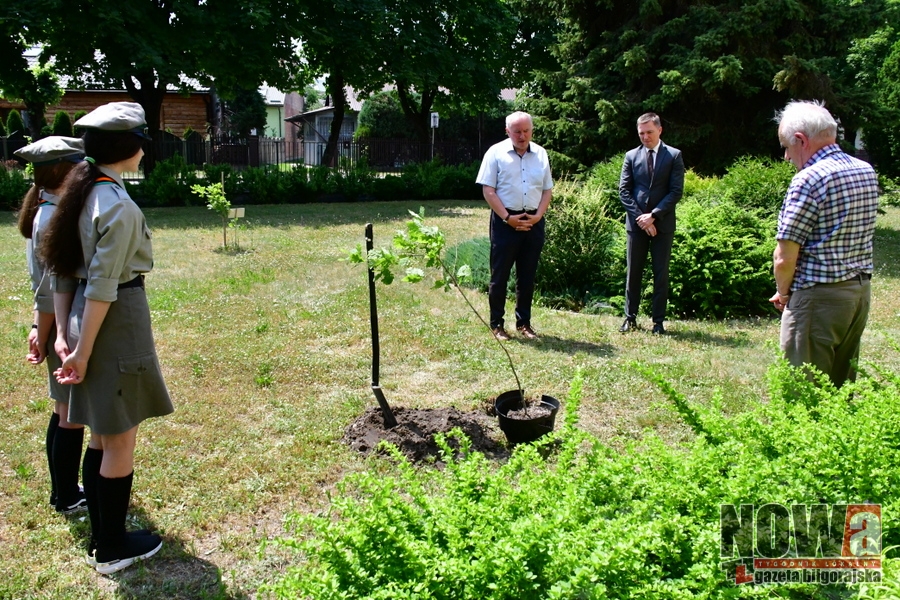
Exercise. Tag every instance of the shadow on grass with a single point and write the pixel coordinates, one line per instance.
(887, 252)
(740, 339)
(313, 215)
(552, 343)
(173, 573)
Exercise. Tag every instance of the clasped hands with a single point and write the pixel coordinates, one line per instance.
(646, 222)
(523, 222)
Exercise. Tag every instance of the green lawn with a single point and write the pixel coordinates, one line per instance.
(267, 356)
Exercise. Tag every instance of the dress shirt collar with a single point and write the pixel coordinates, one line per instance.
(654, 148)
(511, 148)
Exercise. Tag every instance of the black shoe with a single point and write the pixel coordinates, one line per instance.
(658, 329)
(77, 505)
(628, 325)
(132, 549)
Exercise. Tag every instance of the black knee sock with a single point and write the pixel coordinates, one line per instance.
(90, 472)
(51, 435)
(67, 446)
(114, 495)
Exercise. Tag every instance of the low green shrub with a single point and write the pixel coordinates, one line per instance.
(757, 183)
(391, 187)
(477, 254)
(169, 184)
(584, 256)
(721, 262)
(602, 184)
(13, 186)
(890, 191)
(436, 181)
(224, 174)
(571, 518)
(262, 185)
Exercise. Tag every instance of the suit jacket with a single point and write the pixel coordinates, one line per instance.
(639, 195)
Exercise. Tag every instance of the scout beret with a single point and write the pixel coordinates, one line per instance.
(52, 149)
(116, 116)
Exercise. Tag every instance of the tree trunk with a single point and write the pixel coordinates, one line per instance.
(150, 96)
(36, 120)
(336, 90)
(418, 116)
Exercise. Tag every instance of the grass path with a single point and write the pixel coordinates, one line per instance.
(267, 356)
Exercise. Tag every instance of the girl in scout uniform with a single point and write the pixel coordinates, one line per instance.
(53, 157)
(98, 246)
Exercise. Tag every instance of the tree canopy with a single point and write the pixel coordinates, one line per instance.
(715, 70)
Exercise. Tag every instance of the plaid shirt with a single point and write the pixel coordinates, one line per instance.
(830, 211)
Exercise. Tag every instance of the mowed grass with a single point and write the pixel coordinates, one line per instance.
(267, 354)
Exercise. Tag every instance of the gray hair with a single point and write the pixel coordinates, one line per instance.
(810, 118)
(518, 116)
(649, 118)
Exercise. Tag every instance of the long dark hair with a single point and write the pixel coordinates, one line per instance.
(61, 248)
(49, 177)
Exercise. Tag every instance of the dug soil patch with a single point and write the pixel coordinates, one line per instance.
(415, 430)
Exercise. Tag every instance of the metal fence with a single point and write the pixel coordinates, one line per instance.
(386, 155)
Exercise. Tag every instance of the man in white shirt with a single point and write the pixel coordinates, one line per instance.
(517, 184)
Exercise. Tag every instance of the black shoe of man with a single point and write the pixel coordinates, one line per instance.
(658, 329)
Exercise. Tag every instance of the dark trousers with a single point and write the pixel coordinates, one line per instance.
(522, 249)
(660, 249)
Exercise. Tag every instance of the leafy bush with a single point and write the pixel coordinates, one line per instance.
(584, 255)
(602, 185)
(224, 174)
(262, 185)
(391, 187)
(13, 186)
(721, 261)
(890, 191)
(569, 517)
(169, 184)
(433, 181)
(757, 183)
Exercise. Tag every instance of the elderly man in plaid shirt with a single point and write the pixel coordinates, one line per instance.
(823, 260)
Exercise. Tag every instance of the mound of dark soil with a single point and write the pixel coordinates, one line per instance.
(416, 427)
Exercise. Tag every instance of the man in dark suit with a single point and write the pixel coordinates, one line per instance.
(651, 185)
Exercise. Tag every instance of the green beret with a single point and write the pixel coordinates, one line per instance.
(52, 149)
(116, 116)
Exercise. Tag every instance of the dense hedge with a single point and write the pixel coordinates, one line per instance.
(571, 518)
(170, 184)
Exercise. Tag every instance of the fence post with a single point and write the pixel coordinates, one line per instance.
(253, 150)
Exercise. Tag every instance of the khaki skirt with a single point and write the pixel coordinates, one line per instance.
(123, 384)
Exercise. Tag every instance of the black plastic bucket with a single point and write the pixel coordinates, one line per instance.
(523, 431)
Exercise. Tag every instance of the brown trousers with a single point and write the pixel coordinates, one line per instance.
(823, 325)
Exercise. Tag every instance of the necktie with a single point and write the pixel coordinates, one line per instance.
(650, 163)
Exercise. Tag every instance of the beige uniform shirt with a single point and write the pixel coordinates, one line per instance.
(40, 275)
(115, 241)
